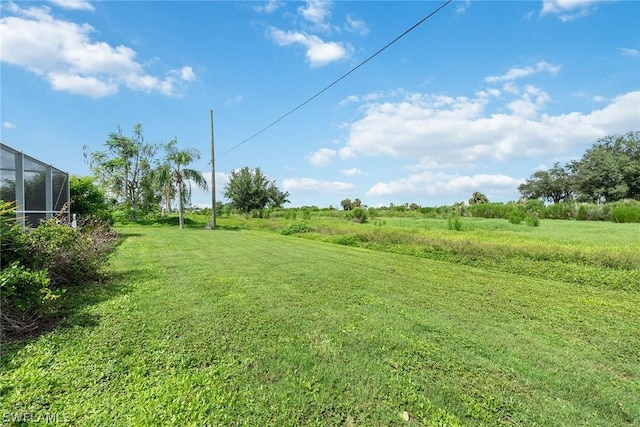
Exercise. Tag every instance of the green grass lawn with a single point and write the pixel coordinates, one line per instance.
(242, 327)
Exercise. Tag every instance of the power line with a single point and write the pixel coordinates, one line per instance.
(417, 24)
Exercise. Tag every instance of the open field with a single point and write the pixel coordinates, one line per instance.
(244, 327)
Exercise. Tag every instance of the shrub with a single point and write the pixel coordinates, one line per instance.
(625, 214)
(72, 256)
(532, 221)
(516, 217)
(562, 210)
(36, 263)
(455, 222)
(488, 210)
(535, 207)
(25, 296)
(296, 227)
(13, 243)
(358, 214)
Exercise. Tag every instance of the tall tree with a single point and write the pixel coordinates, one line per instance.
(251, 189)
(552, 185)
(182, 176)
(346, 204)
(610, 169)
(125, 167)
(478, 198)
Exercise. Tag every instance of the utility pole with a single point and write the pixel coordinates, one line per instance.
(213, 179)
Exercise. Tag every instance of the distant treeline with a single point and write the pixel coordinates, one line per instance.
(621, 211)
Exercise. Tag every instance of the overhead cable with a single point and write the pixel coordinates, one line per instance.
(417, 24)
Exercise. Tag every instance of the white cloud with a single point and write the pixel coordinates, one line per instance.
(518, 73)
(440, 184)
(462, 6)
(8, 125)
(73, 4)
(568, 10)
(369, 97)
(314, 186)
(322, 157)
(235, 100)
(629, 52)
(316, 11)
(269, 7)
(353, 172)
(353, 25)
(319, 52)
(187, 74)
(80, 85)
(63, 53)
(461, 131)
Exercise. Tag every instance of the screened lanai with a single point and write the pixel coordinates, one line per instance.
(39, 190)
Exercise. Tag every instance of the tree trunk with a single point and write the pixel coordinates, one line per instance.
(180, 205)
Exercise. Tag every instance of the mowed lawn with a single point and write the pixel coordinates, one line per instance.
(241, 327)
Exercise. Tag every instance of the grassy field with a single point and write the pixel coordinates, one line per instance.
(243, 327)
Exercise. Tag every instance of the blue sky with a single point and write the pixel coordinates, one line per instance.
(477, 98)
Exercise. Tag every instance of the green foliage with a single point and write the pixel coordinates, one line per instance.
(455, 222)
(12, 236)
(88, 199)
(478, 198)
(346, 204)
(38, 263)
(516, 216)
(535, 207)
(25, 296)
(532, 220)
(553, 185)
(179, 176)
(610, 169)
(73, 257)
(563, 210)
(358, 214)
(295, 228)
(488, 210)
(125, 170)
(628, 211)
(250, 189)
(24, 289)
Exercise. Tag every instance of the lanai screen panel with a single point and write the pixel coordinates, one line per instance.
(60, 183)
(7, 175)
(38, 189)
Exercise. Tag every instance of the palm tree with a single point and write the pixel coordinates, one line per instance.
(181, 176)
(163, 184)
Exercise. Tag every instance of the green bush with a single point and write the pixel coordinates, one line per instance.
(625, 214)
(582, 214)
(488, 210)
(72, 256)
(358, 214)
(516, 217)
(25, 296)
(455, 222)
(296, 227)
(532, 221)
(562, 210)
(535, 207)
